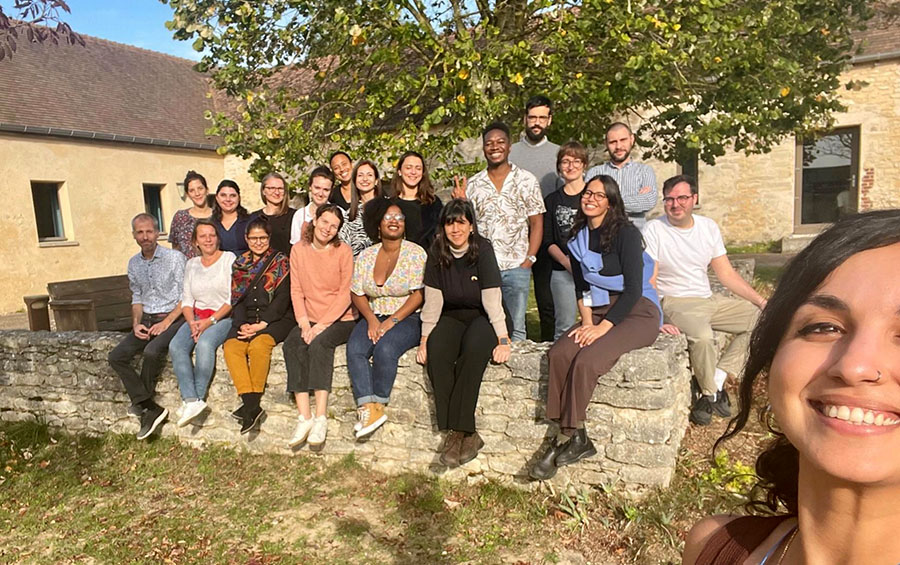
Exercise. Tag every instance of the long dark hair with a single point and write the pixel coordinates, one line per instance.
(354, 192)
(425, 190)
(615, 216)
(777, 467)
(241, 211)
(310, 228)
(455, 211)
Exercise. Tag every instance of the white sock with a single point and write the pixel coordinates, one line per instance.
(719, 378)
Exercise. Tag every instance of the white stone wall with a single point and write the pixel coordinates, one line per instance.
(637, 417)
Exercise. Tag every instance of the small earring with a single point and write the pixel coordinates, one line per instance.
(767, 417)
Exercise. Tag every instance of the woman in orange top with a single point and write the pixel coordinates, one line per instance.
(322, 266)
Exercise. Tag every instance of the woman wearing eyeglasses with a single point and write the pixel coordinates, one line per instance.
(562, 206)
(619, 312)
(262, 317)
(275, 196)
(387, 291)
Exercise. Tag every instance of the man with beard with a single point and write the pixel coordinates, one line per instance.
(156, 279)
(637, 182)
(537, 155)
(509, 211)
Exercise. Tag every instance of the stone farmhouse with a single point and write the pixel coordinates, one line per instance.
(91, 136)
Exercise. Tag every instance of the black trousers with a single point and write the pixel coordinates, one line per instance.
(142, 387)
(542, 271)
(459, 349)
(311, 366)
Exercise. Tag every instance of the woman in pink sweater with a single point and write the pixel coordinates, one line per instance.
(321, 269)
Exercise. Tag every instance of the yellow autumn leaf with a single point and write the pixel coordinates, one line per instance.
(579, 75)
(463, 74)
(337, 115)
(676, 27)
(461, 98)
(562, 32)
(250, 97)
(717, 59)
(362, 89)
(785, 91)
(517, 79)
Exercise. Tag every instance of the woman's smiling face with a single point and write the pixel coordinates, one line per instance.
(834, 383)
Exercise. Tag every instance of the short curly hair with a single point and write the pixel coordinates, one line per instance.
(373, 213)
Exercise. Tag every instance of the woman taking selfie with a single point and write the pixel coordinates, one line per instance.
(828, 349)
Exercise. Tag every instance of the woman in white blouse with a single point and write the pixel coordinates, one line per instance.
(206, 303)
(321, 179)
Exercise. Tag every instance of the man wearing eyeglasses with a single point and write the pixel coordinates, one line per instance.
(684, 246)
(537, 155)
(637, 181)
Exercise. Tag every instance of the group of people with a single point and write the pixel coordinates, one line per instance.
(352, 267)
(388, 272)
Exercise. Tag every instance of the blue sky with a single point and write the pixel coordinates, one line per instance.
(135, 22)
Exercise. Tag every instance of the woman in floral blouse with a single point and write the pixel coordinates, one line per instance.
(181, 228)
(387, 291)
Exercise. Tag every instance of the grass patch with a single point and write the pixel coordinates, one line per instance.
(760, 247)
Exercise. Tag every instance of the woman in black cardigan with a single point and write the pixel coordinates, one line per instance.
(262, 317)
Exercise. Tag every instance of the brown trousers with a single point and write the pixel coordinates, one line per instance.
(574, 370)
(248, 362)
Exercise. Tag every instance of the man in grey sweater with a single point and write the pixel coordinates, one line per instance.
(537, 155)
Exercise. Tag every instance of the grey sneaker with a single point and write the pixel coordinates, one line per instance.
(151, 419)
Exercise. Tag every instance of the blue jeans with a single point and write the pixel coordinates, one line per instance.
(372, 382)
(565, 306)
(514, 285)
(193, 378)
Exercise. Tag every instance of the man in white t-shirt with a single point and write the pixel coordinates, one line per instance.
(684, 246)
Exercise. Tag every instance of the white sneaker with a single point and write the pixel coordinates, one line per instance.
(362, 416)
(319, 430)
(301, 431)
(190, 411)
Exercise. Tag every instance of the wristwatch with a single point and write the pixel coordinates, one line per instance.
(504, 341)
(531, 258)
(395, 320)
(213, 320)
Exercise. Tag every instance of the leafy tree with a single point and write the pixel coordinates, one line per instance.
(31, 21)
(381, 76)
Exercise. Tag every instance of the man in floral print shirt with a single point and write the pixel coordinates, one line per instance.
(509, 210)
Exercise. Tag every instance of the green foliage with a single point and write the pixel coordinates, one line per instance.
(734, 476)
(378, 77)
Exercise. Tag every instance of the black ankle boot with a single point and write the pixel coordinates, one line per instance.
(577, 448)
(545, 467)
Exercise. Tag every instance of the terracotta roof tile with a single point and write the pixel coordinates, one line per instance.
(105, 87)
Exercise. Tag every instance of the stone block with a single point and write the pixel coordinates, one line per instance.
(636, 418)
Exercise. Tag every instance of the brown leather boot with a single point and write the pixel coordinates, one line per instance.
(450, 449)
(469, 448)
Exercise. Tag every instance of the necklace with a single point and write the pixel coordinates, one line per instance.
(787, 545)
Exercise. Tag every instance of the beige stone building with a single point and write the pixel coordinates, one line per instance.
(802, 185)
(91, 136)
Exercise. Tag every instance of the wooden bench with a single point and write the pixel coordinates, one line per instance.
(102, 303)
